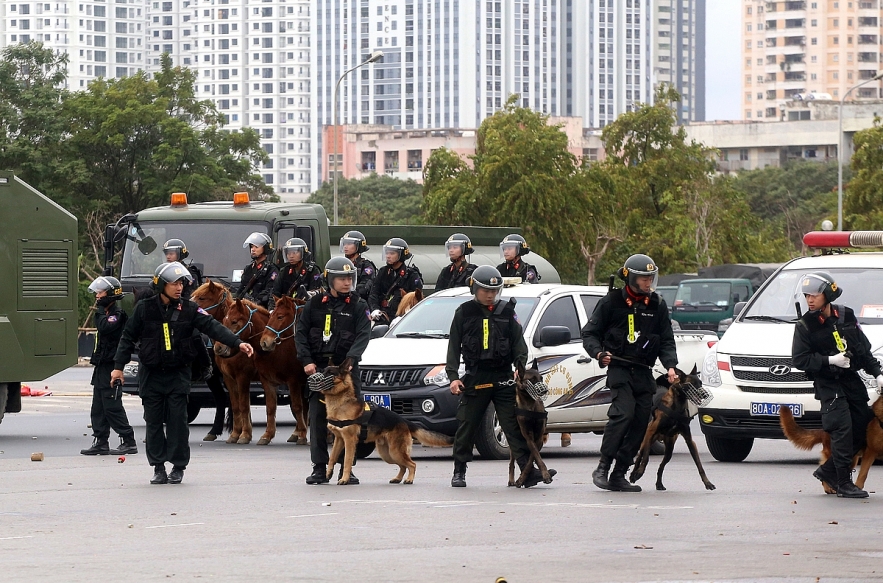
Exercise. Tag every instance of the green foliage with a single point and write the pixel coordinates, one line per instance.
(863, 200)
(373, 200)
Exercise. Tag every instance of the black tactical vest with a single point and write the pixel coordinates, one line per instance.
(485, 335)
(823, 341)
(332, 325)
(171, 350)
(106, 344)
(634, 331)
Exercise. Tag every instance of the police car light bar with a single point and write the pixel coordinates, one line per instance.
(842, 239)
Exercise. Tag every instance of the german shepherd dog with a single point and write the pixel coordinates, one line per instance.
(806, 439)
(669, 418)
(531, 416)
(391, 434)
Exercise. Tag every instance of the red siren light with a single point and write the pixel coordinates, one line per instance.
(842, 239)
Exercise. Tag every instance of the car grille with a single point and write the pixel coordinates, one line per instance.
(778, 390)
(767, 422)
(756, 368)
(374, 379)
(403, 406)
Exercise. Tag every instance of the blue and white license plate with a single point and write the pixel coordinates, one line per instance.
(772, 409)
(381, 400)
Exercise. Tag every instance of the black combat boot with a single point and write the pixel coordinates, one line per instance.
(177, 475)
(99, 447)
(617, 481)
(535, 476)
(159, 475)
(826, 474)
(599, 476)
(318, 475)
(127, 446)
(845, 487)
(459, 478)
(353, 481)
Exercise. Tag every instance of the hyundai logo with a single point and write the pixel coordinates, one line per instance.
(780, 369)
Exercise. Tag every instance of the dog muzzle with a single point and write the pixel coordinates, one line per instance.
(699, 396)
(320, 382)
(537, 391)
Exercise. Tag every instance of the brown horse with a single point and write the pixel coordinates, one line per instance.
(409, 300)
(238, 369)
(278, 363)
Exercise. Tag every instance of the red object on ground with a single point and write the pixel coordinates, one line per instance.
(27, 391)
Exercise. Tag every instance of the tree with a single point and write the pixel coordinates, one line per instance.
(863, 200)
(373, 200)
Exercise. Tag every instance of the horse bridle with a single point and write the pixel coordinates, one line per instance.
(278, 333)
(223, 300)
(251, 312)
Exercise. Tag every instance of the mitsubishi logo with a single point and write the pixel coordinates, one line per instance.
(379, 380)
(780, 369)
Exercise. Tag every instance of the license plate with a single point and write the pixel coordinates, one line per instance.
(380, 400)
(772, 409)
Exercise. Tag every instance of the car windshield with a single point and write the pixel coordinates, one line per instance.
(668, 294)
(433, 315)
(707, 293)
(216, 245)
(861, 292)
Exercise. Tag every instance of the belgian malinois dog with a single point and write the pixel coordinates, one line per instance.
(808, 438)
(669, 418)
(531, 416)
(348, 417)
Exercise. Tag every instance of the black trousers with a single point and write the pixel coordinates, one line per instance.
(319, 422)
(164, 395)
(846, 419)
(632, 389)
(471, 410)
(107, 412)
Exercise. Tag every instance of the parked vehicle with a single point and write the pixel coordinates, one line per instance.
(668, 293)
(750, 372)
(405, 371)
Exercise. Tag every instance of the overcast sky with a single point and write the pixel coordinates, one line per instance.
(722, 65)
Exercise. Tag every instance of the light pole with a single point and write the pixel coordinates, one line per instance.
(876, 77)
(375, 56)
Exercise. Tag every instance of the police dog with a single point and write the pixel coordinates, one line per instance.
(531, 416)
(806, 439)
(669, 418)
(391, 434)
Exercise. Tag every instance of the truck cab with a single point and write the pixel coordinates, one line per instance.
(701, 304)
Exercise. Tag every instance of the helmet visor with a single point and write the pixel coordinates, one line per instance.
(398, 249)
(333, 275)
(100, 284)
(511, 246)
(458, 245)
(344, 241)
(256, 239)
(813, 284)
(643, 283)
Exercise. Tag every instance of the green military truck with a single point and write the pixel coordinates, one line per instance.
(214, 233)
(38, 289)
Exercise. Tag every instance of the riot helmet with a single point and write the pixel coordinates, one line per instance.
(111, 285)
(340, 267)
(516, 242)
(486, 277)
(461, 242)
(636, 266)
(171, 273)
(176, 246)
(354, 238)
(397, 245)
(296, 244)
(820, 282)
(259, 239)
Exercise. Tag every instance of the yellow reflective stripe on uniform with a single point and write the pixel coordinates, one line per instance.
(841, 346)
(96, 342)
(632, 336)
(165, 333)
(484, 330)
(327, 332)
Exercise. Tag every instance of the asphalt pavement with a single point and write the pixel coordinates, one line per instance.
(244, 512)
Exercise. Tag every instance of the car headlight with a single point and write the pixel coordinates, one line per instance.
(437, 376)
(710, 375)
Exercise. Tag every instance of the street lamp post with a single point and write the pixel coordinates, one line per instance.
(375, 56)
(876, 77)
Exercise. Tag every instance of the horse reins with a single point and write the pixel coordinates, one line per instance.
(278, 333)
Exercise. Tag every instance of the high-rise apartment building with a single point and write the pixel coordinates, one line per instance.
(679, 53)
(799, 48)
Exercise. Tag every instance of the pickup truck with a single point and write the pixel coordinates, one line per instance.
(404, 370)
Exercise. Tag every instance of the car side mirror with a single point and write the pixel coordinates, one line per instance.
(553, 336)
(379, 331)
(737, 309)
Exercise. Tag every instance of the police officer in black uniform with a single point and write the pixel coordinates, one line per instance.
(261, 274)
(334, 326)
(487, 334)
(830, 347)
(107, 403)
(300, 276)
(513, 248)
(628, 330)
(393, 279)
(352, 245)
(176, 250)
(457, 274)
(164, 324)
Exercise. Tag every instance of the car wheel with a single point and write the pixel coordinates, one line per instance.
(192, 411)
(729, 450)
(657, 448)
(490, 441)
(363, 450)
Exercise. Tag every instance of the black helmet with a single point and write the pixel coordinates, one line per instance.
(459, 240)
(820, 282)
(635, 266)
(170, 273)
(111, 285)
(487, 277)
(355, 237)
(297, 244)
(259, 239)
(398, 245)
(522, 248)
(340, 267)
(178, 246)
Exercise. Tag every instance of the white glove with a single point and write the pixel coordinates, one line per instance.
(376, 314)
(840, 360)
(880, 384)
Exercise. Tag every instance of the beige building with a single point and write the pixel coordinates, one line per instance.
(794, 49)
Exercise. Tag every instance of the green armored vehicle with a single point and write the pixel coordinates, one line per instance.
(38, 289)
